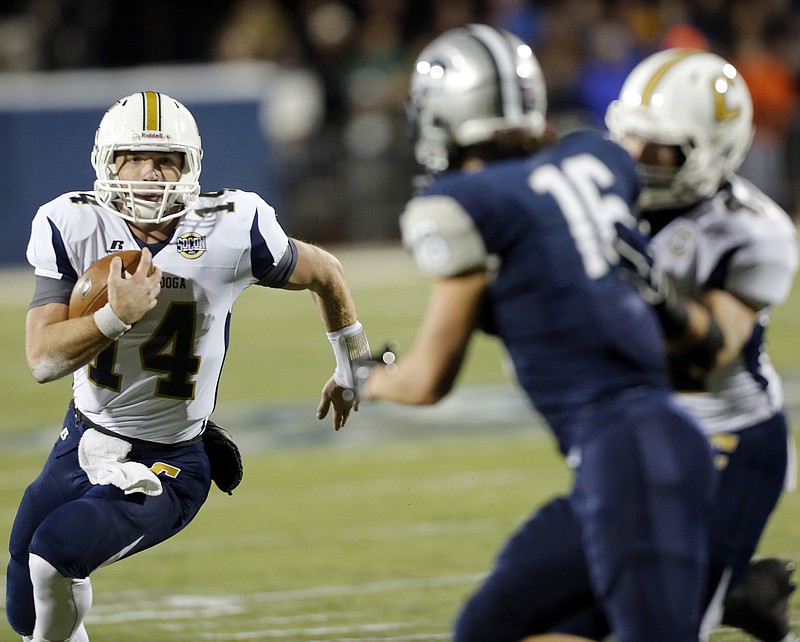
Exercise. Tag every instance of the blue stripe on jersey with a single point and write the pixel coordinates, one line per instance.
(717, 277)
(754, 347)
(62, 259)
(224, 356)
(154, 248)
(261, 259)
(752, 355)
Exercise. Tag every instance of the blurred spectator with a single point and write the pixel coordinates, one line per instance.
(20, 36)
(374, 134)
(684, 36)
(559, 48)
(645, 21)
(73, 34)
(517, 16)
(711, 18)
(775, 98)
(447, 14)
(378, 65)
(612, 54)
(258, 30)
(329, 29)
(263, 30)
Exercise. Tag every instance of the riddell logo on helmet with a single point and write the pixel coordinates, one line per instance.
(157, 135)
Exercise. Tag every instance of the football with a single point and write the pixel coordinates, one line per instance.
(90, 292)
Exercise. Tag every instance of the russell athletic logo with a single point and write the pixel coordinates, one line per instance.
(191, 245)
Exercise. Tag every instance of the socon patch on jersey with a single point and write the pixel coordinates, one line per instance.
(191, 245)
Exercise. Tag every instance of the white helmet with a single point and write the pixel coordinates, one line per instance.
(147, 121)
(467, 85)
(695, 101)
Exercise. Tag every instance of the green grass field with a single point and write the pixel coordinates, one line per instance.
(374, 533)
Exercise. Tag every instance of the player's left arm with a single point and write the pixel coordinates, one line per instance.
(322, 274)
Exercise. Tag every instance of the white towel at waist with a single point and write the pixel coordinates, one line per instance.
(102, 457)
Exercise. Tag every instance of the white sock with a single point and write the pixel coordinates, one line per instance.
(61, 603)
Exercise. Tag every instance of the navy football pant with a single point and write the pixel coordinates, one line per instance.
(752, 467)
(632, 532)
(751, 478)
(78, 527)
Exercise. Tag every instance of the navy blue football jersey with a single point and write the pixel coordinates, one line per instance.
(575, 331)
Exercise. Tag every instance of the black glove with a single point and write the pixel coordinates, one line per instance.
(637, 266)
(363, 367)
(224, 457)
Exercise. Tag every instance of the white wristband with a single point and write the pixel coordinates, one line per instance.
(349, 343)
(109, 323)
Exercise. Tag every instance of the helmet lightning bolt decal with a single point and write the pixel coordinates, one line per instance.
(721, 109)
(650, 88)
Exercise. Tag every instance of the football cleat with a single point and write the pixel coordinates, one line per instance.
(759, 604)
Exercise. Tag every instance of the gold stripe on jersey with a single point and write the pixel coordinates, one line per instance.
(152, 114)
(650, 87)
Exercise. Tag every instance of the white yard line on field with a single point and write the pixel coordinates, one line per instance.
(260, 635)
(441, 483)
(266, 541)
(402, 638)
(337, 631)
(119, 606)
(176, 612)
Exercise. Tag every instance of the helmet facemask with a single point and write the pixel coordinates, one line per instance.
(169, 128)
(129, 199)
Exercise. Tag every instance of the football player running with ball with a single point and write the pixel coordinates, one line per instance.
(130, 468)
(515, 232)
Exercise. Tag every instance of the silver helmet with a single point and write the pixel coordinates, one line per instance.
(469, 84)
(695, 101)
(147, 121)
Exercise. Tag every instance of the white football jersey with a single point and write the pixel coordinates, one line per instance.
(742, 242)
(159, 380)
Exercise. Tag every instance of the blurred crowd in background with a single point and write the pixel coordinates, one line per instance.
(348, 178)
